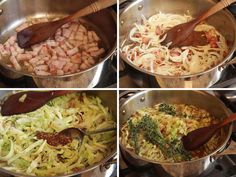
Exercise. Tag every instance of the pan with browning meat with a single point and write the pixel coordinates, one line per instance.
(74, 57)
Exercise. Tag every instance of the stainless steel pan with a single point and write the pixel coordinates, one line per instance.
(198, 98)
(223, 21)
(15, 12)
(108, 98)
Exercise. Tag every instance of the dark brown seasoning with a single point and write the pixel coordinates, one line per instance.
(54, 139)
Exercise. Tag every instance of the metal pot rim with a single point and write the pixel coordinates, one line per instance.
(219, 149)
(226, 11)
(87, 169)
(109, 55)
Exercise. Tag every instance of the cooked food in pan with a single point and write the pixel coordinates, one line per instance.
(23, 151)
(74, 48)
(155, 132)
(144, 49)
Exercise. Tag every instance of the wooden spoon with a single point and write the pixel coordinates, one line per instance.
(42, 31)
(24, 102)
(180, 33)
(194, 139)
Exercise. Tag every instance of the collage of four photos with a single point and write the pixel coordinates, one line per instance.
(118, 88)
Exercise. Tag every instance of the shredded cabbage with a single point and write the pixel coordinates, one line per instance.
(22, 152)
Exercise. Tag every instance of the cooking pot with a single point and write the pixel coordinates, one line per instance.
(223, 21)
(134, 101)
(14, 12)
(108, 98)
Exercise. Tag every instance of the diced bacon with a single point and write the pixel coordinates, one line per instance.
(82, 29)
(34, 60)
(68, 67)
(42, 73)
(145, 40)
(76, 58)
(97, 53)
(15, 63)
(64, 59)
(85, 40)
(67, 25)
(66, 33)
(72, 51)
(174, 53)
(158, 30)
(137, 35)
(24, 57)
(52, 43)
(60, 52)
(74, 68)
(90, 36)
(93, 49)
(12, 40)
(60, 72)
(59, 32)
(91, 61)
(95, 36)
(41, 68)
(39, 62)
(59, 38)
(83, 66)
(79, 36)
(74, 27)
(59, 64)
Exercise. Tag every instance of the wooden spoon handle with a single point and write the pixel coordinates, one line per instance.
(228, 120)
(92, 8)
(219, 6)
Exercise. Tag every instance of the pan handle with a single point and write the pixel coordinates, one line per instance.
(125, 95)
(230, 62)
(229, 150)
(107, 164)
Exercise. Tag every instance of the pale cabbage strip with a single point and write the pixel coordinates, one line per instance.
(172, 127)
(143, 47)
(22, 152)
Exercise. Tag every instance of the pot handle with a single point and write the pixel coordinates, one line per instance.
(232, 61)
(230, 150)
(125, 95)
(107, 164)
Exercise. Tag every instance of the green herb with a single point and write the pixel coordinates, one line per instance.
(168, 109)
(133, 130)
(152, 134)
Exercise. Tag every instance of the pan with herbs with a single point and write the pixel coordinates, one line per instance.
(152, 124)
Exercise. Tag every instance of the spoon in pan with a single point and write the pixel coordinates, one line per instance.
(42, 31)
(196, 138)
(178, 34)
(24, 102)
(67, 135)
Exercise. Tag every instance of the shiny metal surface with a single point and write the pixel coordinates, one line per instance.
(15, 12)
(198, 98)
(223, 21)
(108, 98)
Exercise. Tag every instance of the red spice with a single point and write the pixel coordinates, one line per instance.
(54, 139)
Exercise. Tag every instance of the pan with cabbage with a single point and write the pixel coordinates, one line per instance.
(21, 151)
(143, 47)
(155, 133)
